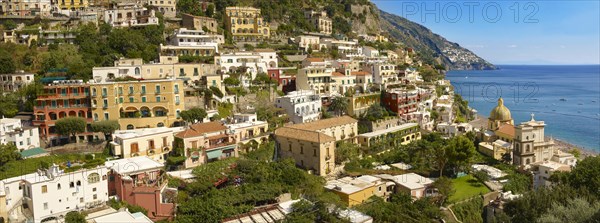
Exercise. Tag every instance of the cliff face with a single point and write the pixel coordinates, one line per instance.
(432, 46)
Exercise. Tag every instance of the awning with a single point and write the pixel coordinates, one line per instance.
(196, 155)
(214, 154)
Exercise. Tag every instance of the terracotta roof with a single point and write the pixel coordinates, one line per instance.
(302, 134)
(200, 128)
(360, 73)
(507, 129)
(325, 123)
(315, 59)
(337, 74)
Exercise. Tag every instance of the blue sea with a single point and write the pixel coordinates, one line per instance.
(566, 98)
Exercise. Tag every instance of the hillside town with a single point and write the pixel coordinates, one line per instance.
(214, 113)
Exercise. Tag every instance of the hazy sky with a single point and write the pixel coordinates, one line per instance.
(512, 32)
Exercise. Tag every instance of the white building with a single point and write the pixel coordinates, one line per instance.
(255, 62)
(301, 106)
(52, 193)
(154, 143)
(13, 131)
(130, 15)
(370, 52)
(414, 184)
(16, 81)
(346, 48)
(305, 42)
(543, 170)
(454, 129)
(316, 78)
(383, 73)
(192, 42)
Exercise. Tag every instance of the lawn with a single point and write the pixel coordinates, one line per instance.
(466, 187)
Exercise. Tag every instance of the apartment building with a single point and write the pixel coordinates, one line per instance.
(311, 150)
(191, 42)
(12, 131)
(26, 7)
(141, 181)
(139, 103)
(358, 104)
(246, 24)
(346, 82)
(206, 142)
(316, 78)
(383, 74)
(72, 5)
(51, 193)
(301, 106)
(129, 15)
(415, 185)
(16, 81)
(253, 63)
(247, 128)
(346, 48)
(48, 37)
(199, 23)
(60, 99)
(305, 42)
(167, 67)
(319, 20)
(166, 7)
(404, 134)
(155, 143)
(402, 101)
(312, 144)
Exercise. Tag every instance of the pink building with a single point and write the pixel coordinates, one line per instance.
(140, 181)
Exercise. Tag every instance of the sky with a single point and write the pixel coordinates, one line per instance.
(510, 31)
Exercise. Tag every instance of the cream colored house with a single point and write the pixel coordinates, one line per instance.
(246, 128)
(340, 128)
(154, 143)
(206, 142)
(316, 78)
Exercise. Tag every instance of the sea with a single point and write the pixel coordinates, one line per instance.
(566, 98)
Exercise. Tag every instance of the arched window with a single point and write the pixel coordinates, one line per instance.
(160, 124)
(526, 148)
(79, 183)
(130, 126)
(137, 71)
(93, 178)
(58, 186)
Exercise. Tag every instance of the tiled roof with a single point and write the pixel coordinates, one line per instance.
(304, 135)
(315, 59)
(325, 123)
(507, 129)
(201, 128)
(337, 74)
(360, 73)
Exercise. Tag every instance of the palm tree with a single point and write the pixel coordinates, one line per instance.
(339, 105)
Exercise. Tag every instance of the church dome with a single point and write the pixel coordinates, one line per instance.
(500, 112)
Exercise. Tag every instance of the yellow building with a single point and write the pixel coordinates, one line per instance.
(355, 191)
(310, 150)
(358, 104)
(138, 104)
(404, 134)
(73, 4)
(246, 24)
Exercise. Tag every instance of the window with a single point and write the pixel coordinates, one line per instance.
(177, 99)
(130, 89)
(71, 185)
(143, 89)
(79, 183)
(81, 200)
(157, 89)
(158, 99)
(120, 100)
(46, 206)
(58, 186)
(144, 99)
(176, 89)
(44, 189)
(120, 90)
(106, 116)
(94, 189)
(131, 100)
(93, 178)
(151, 144)
(314, 152)
(95, 196)
(301, 150)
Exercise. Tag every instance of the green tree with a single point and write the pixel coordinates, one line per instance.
(106, 126)
(10, 25)
(573, 210)
(194, 115)
(231, 81)
(8, 152)
(70, 126)
(586, 174)
(339, 105)
(346, 151)
(9, 105)
(75, 217)
(210, 10)
(445, 188)
(7, 65)
(461, 152)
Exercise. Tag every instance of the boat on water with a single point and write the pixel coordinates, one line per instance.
(580, 104)
(562, 99)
